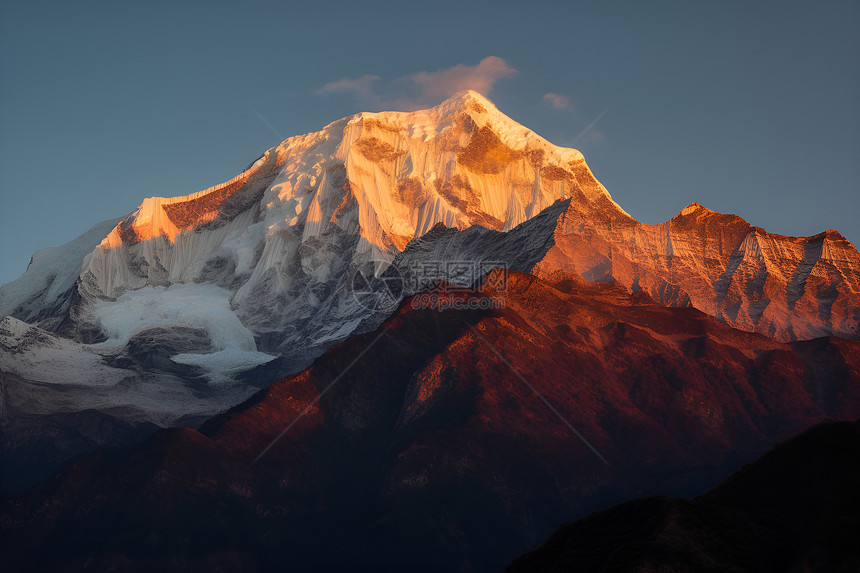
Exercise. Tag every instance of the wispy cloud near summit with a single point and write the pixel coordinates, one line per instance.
(422, 89)
(481, 78)
(362, 86)
(558, 101)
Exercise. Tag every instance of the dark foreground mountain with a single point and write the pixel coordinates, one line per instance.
(447, 439)
(795, 509)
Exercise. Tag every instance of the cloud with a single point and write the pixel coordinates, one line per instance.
(423, 89)
(361, 86)
(481, 78)
(558, 101)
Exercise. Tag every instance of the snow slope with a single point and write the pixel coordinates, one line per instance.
(40, 293)
(44, 374)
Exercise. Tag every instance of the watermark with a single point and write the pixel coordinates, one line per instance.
(459, 276)
(378, 291)
(456, 301)
(379, 286)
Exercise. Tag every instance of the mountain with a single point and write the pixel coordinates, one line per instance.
(787, 288)
(283, 237)
(188, 305)
(795, 509)
(453, 437)
(287, 229)
(172, 303)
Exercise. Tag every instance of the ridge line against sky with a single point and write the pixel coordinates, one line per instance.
(744, 109)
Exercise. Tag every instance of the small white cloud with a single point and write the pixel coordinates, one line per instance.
(423, 88)
(362, 86)
(558, 101)
(481, 78)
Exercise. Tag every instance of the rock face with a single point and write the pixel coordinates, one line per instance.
(416, 446)
(787, 288)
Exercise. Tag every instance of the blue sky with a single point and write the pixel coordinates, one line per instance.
(746, 109)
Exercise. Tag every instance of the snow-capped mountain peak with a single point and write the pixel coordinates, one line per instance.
(378, 180)
(284, 236)
(169, 307)
(460, 163)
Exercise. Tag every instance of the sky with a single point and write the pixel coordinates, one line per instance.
(746, 108)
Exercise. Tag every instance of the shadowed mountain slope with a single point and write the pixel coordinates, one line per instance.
(429, 444)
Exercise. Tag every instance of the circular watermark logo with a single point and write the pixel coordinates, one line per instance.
(381, 292)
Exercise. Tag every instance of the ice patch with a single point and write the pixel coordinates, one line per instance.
(224, 364)
(200, 306)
